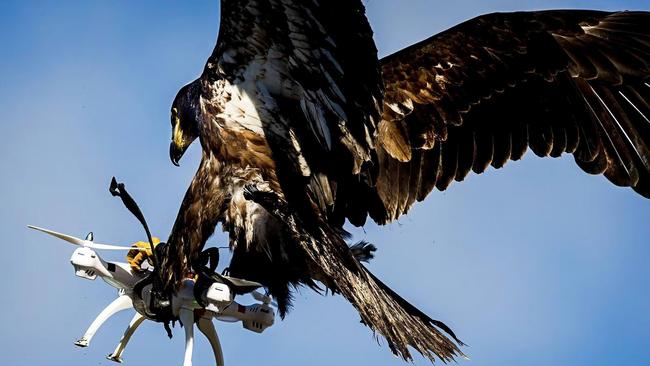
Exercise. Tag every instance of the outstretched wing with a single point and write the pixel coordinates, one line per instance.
(481, 93)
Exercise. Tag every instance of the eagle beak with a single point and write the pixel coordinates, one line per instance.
(175, 153)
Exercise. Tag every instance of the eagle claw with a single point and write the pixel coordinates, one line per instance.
(267, 199)
(250, 191)
(253, 193)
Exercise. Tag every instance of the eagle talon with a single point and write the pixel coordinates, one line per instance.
(250, 191)
(264, 198)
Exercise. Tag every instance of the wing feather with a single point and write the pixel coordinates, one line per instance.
(485, 91)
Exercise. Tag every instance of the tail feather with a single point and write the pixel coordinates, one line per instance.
(412, 310)
(363, 251)
(380, 308)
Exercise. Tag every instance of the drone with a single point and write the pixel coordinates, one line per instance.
(188, 305)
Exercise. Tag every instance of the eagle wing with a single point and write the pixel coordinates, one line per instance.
(288, 103)
(312, 70)
(316, 63)
(292, 89)
(291, 98)
(481, 93)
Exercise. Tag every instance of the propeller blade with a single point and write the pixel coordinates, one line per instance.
(81, 242)
(264, 298)
(68, 238)
(110, 247)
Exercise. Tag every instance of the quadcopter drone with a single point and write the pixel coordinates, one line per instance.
(195, 301)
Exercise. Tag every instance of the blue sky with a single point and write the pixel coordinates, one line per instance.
(535, 264)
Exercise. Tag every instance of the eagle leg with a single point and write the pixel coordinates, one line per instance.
(269, 200)
(274, 204)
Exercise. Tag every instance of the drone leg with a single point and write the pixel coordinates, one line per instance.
(187, 319)
(116, 356)
(121, 303)
(207, 328)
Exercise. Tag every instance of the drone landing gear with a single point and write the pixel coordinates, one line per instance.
(187, 319)
(206, 327)
(204, 323)
(121, 303)
(116, 356)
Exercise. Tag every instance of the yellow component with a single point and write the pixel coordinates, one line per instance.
(177, 134)
(136, 258)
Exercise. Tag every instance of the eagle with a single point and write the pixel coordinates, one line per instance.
(303, 128)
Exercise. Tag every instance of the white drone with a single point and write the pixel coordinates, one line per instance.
(218, 299)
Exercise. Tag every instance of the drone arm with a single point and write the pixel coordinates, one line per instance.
(256, 317)
(121, 303)
(187, 319)
(133, 326)
(207, 328)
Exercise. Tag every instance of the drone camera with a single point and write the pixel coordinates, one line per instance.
(87, 264)
(88, 274)
(261, 316)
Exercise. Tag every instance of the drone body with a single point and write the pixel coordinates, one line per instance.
(218, 301)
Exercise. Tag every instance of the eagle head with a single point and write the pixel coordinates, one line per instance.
(185, 120)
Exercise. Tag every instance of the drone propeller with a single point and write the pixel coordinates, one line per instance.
(266, 299)
(82, 242)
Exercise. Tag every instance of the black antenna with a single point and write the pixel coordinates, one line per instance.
(118, 189)
(158, 299)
